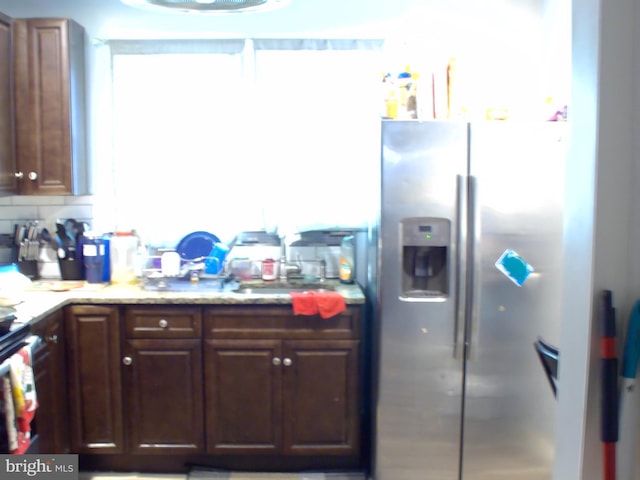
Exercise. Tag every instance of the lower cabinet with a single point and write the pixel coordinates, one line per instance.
(320, 400)
(95, 379)
(296, 393)
(129, 393)
(243, 381)
(213, 382)
(163, 380)
(49, 364)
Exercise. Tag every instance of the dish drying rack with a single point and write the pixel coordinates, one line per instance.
(202, 268)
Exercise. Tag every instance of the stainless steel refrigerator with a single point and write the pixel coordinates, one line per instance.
(466, 276)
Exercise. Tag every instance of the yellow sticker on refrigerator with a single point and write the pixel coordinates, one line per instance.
(514, 267)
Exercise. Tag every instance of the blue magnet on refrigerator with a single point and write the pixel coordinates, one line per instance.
(514, 267)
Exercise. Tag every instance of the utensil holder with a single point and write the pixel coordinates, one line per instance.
(71, 269)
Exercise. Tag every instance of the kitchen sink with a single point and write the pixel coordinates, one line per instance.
(219, 285)
(169, 284)
(281, 288)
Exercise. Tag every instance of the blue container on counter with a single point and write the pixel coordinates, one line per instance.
(93, 253)
(106, 266)
(215, 261)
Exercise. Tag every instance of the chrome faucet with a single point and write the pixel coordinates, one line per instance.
(322, 270)
(284, 267)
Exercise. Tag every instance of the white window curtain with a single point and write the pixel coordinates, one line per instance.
(231, 135)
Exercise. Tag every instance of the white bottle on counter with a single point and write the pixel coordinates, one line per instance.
(122, 250)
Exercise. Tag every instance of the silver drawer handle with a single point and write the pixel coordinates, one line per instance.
(52, 339)
(163, 323)
(127, 360)
(276, 361)
(287, 362)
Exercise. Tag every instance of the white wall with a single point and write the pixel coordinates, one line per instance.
(599, 194)
(302, 18)
(506, 33)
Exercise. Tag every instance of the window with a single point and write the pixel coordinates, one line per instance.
(235, 135)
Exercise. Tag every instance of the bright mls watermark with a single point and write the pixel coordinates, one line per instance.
(39, 467)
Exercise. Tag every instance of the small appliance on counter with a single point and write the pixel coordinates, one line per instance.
(316, 252)
(249, 249)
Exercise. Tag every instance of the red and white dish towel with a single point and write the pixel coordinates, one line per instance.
(18, 400)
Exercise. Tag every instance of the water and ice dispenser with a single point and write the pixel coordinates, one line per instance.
(425, 246)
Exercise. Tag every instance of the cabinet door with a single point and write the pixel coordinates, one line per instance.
(7, 158)
(243, 396)
(321, 415)
(49, 104)
(52, 423)
(94, 377)
(163, 395)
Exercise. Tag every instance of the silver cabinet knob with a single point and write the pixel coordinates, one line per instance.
(33, 176)
(287, 362)
(163, 323)
(127, 360)
(19, 175)
(52, 339)
(276, 361)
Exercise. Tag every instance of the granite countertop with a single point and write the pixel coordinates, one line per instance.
(46, 296)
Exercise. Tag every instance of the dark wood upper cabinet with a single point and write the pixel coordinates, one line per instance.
(49, 85)
(7, 153)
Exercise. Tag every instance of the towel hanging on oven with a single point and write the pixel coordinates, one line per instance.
(19, 401)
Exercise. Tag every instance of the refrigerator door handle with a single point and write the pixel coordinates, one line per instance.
(473, 267)
(460, 265)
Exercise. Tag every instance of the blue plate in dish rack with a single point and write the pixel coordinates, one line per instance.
(196, 245)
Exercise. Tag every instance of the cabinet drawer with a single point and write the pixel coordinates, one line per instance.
(163, 322)
(278, 322)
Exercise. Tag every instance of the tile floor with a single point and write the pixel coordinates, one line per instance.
(149, 476)
(130, 476)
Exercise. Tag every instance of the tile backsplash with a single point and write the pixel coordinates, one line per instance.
(45, 209)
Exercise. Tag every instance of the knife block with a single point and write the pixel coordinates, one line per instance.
(29, 268)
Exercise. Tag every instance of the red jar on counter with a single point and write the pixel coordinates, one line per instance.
(269, 269)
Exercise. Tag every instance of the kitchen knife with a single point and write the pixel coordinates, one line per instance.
(16, 235)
